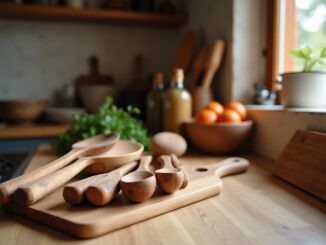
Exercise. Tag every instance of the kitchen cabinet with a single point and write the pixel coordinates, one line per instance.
(253, 208)
(58, 13)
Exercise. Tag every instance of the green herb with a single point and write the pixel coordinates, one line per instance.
(109, 118)
(309, 58)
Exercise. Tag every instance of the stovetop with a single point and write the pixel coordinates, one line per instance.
(13, 164)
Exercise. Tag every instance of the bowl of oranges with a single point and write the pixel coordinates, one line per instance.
(219, 129)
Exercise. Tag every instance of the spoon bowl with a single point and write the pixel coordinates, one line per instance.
(169, 179)
(140, 185)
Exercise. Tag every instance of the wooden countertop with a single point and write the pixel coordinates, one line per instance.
(253, 208)
(31, 131)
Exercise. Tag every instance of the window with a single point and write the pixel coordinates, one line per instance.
(290, 24)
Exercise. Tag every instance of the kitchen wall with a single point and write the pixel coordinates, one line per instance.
(40, 57)
(241, 23)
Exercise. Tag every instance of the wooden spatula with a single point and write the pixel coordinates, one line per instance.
(185, 52)
(213, 62)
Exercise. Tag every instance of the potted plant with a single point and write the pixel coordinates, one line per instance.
(308, 87)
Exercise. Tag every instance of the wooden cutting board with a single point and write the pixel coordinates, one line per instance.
(87, 221)
(303, 162)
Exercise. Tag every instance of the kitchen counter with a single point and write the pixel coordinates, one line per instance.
(31, 131)
(253, 208)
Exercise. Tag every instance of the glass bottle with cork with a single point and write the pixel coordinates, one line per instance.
(154, 104)
(177, 104)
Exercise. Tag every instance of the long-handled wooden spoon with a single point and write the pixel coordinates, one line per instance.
(213, 62)
(140, 185)
(94, 145)
(176, 163)
(122, 152)
(169, 178)
(106, 184)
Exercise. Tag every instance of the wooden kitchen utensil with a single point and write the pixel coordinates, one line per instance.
(176, 163)
(87, 221)
(165, 143)
(140, 185)
(121, 153)
(185, 52)
(213, 62)
(94, 76)
(75, 192)
(198, 67)
(169, 178)
(102, 191)
(303, 162)
(92, 146)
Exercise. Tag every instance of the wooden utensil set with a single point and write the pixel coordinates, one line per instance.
(102, 154)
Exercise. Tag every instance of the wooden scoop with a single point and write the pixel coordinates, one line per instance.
(123, 152)
(139, 185)
(92, 146)
(105, 189)
(176, 163)
(169, 179)
(101, 188)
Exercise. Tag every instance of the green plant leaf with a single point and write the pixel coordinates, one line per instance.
(306, 51)
(109, 118)
(297, 54)
(323, 52)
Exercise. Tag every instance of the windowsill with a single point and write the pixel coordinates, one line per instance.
(287, 109)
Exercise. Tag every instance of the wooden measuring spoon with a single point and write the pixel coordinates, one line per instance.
(122, 152)
(169, 178)
(140, 185)
(176, 163)
(94, 145)
(105, 189)
(75, 193)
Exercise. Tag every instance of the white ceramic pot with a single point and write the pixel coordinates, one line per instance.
(304, 89)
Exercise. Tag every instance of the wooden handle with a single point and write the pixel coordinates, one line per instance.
(75, 193)
(213, 62)
(165, 161)
(176, 163)
(102, 191)
(31, 193)
(9, 187)
(198, 67)
(228, 166)
(144, 163)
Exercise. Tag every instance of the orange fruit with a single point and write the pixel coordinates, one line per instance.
(216, 107)
(238, 107)
(206, 116)
(230, 116)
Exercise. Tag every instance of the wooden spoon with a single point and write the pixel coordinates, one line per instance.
(107, 184)
(176, 163)
(169, 179)
(92, 146)
(198, 67)
(139, 185)
(105, 189)
(213, 62)
(123, 152)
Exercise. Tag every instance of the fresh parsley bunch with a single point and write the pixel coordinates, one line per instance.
(109, 118)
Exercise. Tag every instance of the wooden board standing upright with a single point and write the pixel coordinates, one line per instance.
(87, 221)
(303, 162)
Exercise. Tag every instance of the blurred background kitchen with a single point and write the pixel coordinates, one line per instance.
(51, 49)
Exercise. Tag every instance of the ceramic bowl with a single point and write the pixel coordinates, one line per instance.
(22, 111)
(62, 115)
(93, 96)
(218, 138)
